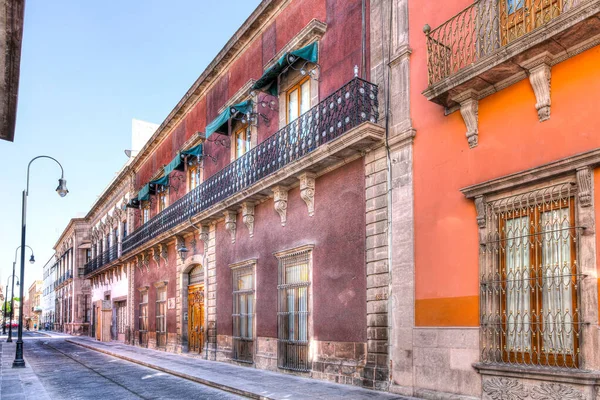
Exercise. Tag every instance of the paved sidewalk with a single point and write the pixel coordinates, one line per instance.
(18, 383)
(250, 382)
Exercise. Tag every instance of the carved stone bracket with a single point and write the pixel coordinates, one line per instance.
(307, 191)
(230, 223)
(584, 186)
(204, 235)
(248, 216)
(163, 253)
(193, 244)
(146, 260)
(539, 77)
(280, 194)
(469, 109)
(480, 208)
(138, 262)
(156, 255)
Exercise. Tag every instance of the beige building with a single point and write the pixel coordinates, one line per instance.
(33, 305)
(73, 293)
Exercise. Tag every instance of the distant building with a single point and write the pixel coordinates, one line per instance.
(48, 295)
(33, 304)
(72, 292)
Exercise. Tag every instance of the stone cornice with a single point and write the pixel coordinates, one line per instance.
(69, 230)
(534, 175)
(118, 184)
(249, 30)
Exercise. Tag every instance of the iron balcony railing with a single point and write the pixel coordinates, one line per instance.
(102, 259)
(352, 104)
(484, 28)
(63, 278)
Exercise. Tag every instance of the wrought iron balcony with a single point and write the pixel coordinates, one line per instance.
(353, 104)
(102, 259)
(491, 39)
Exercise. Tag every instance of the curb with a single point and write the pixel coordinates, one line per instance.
(196, 379)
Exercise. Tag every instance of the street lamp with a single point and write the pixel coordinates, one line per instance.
(12, 295)
(62, 191)
(12, 291)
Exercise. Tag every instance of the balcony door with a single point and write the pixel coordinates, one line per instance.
(519, 17)
(195, 318)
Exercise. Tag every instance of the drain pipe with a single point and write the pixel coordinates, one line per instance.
(204, 266)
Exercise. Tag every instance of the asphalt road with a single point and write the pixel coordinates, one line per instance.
(68, 371)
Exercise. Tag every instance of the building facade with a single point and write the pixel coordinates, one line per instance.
(73, 293)
(34, 305)
(48, 294)
(493, 285)
(394, 194)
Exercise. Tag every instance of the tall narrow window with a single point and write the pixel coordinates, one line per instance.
(161, 316)
(163, 194)
(124, 229)
(530, 281)
(88, 255)
(194, 175)
(143, 318)
(293, 311)
(243, 313)
(298, 100)
(243, 141)
(145, 212)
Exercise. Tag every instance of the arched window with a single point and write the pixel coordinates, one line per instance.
(196, 275)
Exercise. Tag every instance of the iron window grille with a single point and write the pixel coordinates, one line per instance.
(143, 319)
(531, 279)
(243, 314)
(121, 317)
(161, 317)
(293, 311)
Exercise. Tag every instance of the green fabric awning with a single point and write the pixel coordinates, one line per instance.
(268, 81)
(175, 164)
(219, 124)
(194, 151)
(144, 193)
(164, 181)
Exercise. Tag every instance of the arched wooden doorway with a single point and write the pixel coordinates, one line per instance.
(196, 309)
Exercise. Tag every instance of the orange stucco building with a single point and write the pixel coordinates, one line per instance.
(495, 155)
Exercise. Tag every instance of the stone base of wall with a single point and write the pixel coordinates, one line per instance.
(527, 383)
(224, 348)
(75, 329)
(340, 362)
(443, 361)
(265, 356)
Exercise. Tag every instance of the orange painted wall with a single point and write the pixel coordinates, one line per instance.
(511, 139)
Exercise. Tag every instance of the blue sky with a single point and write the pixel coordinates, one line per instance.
(87, 69)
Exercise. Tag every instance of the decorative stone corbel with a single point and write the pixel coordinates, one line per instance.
(164, 254)
(248, 216)
(469, 109)
(204, 235)
(584, 186)
(156, 255)
(480, 207)
(146, 260)
(307, 191)
(280, 194)
(230, 223)
(138, 262)
(539, 77)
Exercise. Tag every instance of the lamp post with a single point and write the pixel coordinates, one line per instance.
(6, 305)
(12, 291)
(62, 191)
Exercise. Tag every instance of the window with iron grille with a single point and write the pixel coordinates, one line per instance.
(530, 281)
(243, 313)
(161, 316)
(143, 317)
(293, 311)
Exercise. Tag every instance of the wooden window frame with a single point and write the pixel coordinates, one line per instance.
(145, 212)
(288, 93)
(162, 197)
(161, 305)
(244, 130)
(238, 271)
(194, 169)
(143, 317)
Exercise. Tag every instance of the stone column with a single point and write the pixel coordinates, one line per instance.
(211, 289)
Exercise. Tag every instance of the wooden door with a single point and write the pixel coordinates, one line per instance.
(98, 320)
(196, 318)
(519, 17)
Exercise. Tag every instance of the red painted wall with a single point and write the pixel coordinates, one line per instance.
(511, 139)
(337, 231)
